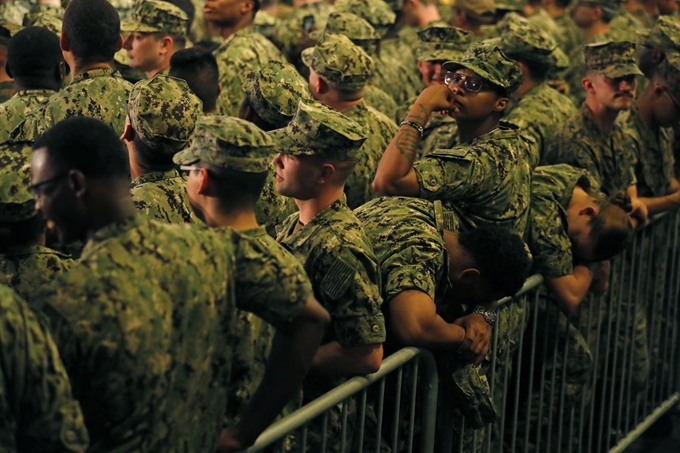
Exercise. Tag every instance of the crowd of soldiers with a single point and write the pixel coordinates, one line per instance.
(215, 211)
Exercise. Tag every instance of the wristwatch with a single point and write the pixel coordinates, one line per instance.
(488, 315)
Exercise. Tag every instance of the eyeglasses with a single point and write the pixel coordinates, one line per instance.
(35, 189)
(188, 168)
(675, 103)
(470, 83)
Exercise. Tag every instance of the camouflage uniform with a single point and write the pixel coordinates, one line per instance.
(37, 411)
(156, 16)
(333, 247)
(99, 93)
(581, 143)
(266, 24)
(265, 270)
(571, 37)
(289, 32)
(25, 268)
(274, 92)
(380, 101)
(18, 106)
(346, 67)
(124, 7)
(541, 110)
(486, 181)
(163, 112)
(626, 26)
(244, 51)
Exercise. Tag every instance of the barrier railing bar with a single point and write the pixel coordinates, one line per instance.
(412, 412)
(362, 419)
(343, 432)
(381, 409)
(397, 411)
(518, 373)
(608, 391)
(430, 398)
(532, 365)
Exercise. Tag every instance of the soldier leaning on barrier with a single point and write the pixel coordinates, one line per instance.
(338, 73)
(485, 179)
(162, 113)
(153, 33)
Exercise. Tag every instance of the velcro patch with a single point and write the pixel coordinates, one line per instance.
(338, 279)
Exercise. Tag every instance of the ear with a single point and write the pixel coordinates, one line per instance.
(501, 104)
(167, 43)
(64, 43)
(128, 131)
(587, 84)
(247, 6)
(588, 211)
(323, 86)
(597, 12)
(523, 68)
(659, 90)
(203, 182)
(470, 277)
(78, 183)
(326, 173)
(60, 72)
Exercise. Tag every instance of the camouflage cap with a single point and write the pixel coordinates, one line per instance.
(524, 40)
(317, 130)
(48, 21)
(229, 143)
(669, 70)
(612, 5)
(338, 61)
(510, 5)
(16, 202)
(275, 91)
(376, 12)
(357, 29)
(482, 10)
(612, 59)
(152, 16)
(490, 63)
(664, 35)
(442, 43)
(164, 110)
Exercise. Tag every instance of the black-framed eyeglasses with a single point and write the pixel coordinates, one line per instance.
(471, 84)
(35, 189)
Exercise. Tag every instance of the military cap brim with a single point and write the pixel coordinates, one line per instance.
(288, 145)
(621, 71)
(186, 157)
(133, 25)
(481, 72)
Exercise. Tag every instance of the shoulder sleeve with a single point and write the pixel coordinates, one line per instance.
(270, 282)
(450, 174)
(548, 242)
(43, 416)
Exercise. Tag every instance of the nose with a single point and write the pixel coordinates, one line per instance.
(127, 44)
(277, 161)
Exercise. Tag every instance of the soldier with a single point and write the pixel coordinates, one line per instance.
(471, 15)
(537, 109)
(198, 68)
(338, 72)
(663, 38)
(243, 49)
(414, 16)
(571, 36)
(362, 34)
(486, 178)
(228, 164)
(133, 348)
(89, 39)
(318, 153)
(34, 61)
(591, 139)
(162, 113)
(25, 263)
(437, 46)
(155, 30)
(270, 104)
(37, 410)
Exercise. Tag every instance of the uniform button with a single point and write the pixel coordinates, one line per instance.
(376, 329)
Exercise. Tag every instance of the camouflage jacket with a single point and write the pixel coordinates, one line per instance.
(552, 188)
(486, 181)
(162, 196)
(571, 37)
(380, 130)
(401, 85)
(100, 94)
(244, 51)
(37, 411)
(380, 100)
(538, 114)
(26, 269)
(607, 157)
(18, 106)
(653, 152)
(289, 31)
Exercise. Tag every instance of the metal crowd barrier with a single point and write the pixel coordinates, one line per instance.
(592, 382)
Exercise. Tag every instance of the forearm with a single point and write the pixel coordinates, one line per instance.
(570, 290)
(395, 174)
(334, 359)
(433, 334)
(664, 203)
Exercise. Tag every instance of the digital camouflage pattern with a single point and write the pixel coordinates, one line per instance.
(154, 16)
(339, 62)
(539, 113)
(16, 201)
(486, 181)
(607, 157)
(379, 132)
(99, 93)
(626, 25)
(243, 52)
(356, 28)
(544, 21)
(442, 43)
(612, 59)
(489, 62)
(339, 259)
(13, 13)
(290, 33)
(266, 271)
(317, 130)
(27, 268)
(376, 12)
(264, 23)
(524, 41)
(653, 150)
(163, 113)
(275, 91)
(50, 21)
(665, 35)
(570, 37)
(133, 348)
(37, 410)
(379, 100)
(162, 196)
(552, 188)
